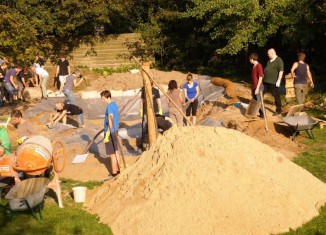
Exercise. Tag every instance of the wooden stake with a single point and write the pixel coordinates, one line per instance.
(151, 121)
(161, 89)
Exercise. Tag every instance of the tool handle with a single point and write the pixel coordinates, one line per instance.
(120, 147)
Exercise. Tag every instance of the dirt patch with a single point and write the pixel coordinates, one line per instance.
(121, 81)
(208, 179)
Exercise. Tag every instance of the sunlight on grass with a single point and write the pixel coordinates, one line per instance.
(316, 226)
(69, 220)
(314, 161)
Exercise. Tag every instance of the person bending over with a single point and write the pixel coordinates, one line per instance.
(63, 110)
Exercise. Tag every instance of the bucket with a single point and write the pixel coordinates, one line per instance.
(253, 108)
(79, 194)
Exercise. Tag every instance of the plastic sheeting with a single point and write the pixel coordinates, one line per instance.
(95, 108)
(211, 122)
(84, 136)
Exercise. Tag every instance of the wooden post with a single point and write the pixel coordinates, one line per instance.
(161, 89)
(151, 121)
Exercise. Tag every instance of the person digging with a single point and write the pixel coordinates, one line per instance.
(63, 110)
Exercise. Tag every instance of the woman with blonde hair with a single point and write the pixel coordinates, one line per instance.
(301, 73)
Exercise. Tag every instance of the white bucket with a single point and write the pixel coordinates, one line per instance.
(79, 194)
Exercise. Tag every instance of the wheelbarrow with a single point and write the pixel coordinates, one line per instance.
(301, 123)
(27, 197)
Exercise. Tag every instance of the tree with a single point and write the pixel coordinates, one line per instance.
(29, 27)
(196, 34)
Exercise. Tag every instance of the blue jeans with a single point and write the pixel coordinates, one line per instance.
(70, 96)
(80, 119)
(11, 90)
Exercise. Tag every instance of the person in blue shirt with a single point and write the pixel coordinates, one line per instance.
(111, 124)
(191, 90)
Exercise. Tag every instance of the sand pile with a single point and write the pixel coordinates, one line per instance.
(207, 180)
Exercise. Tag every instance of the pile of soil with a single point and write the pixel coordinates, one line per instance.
(208, 179)
(129, 81)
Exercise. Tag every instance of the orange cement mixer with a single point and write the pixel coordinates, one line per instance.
(34, 157)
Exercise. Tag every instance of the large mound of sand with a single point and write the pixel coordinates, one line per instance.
(207, 180)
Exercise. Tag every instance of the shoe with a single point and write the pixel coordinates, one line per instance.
(108, 178)
(276, 113)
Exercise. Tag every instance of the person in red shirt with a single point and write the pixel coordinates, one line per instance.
(257, 74)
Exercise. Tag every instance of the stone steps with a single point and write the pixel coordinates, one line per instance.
(108, 52)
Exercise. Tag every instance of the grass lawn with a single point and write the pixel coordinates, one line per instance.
(69, 220)
(314, 161)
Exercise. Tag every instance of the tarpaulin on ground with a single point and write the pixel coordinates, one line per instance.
(95, 108)
(83, 136)
(211, 122)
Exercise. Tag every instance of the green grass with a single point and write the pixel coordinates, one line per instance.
(71, 219)
(109, 71)
(314, 161)
(316, 226)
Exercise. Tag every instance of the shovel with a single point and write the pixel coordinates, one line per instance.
(264, 111)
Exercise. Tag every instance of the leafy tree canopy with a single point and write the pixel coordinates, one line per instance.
(192, 34)
(189, 35)
(47, 27)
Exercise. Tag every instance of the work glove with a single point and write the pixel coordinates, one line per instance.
(106, 137)
(160, 112)
(121, 167)
(278, 83)
(21, 140)
(141, 113)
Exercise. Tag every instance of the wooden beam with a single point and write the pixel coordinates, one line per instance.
(161, 89)
(151, 120)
